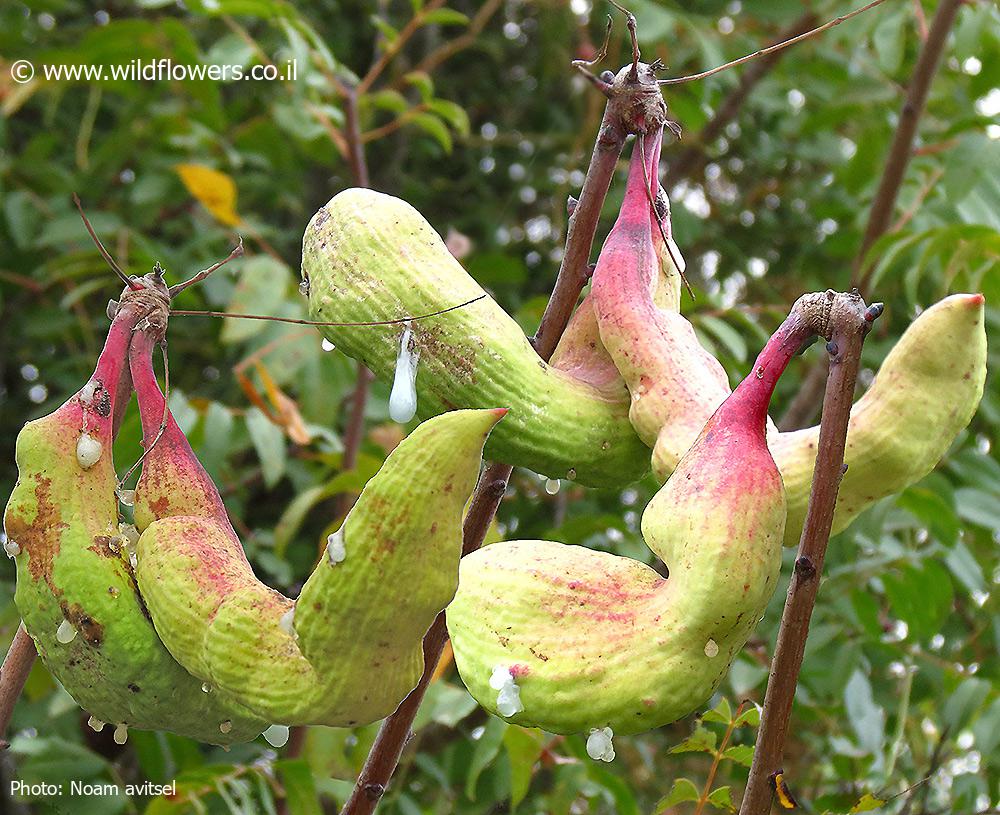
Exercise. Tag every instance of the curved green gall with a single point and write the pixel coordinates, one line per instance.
(75, 587)
(348, 650)
(369, 257)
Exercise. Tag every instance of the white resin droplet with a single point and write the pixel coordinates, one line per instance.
(206, 688)
(326, 345)
(711, 649)
(552, 485)
(403, 399)
(121, 734)
(88, 451)
(508, 693)
(127, 497)
(336, 551)
(276, 735)
(599, 746)
(287, 622)
(509, 701)
(133, 560)
(87, 394)
(12, 548)
(66, 632)
(226, 726)
(501, 676)
(95, 724)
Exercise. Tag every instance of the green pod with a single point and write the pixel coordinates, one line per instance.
(348, 650)
(371, 257)
(76, 591)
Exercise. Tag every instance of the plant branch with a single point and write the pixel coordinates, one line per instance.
(13, 674)
(634, 106)
(849, 323)
(901, 150)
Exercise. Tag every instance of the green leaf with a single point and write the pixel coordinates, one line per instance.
(750, 716)
(987, 729)
(933, 510)
(978, 507)
(387, 31)
(682, 790)
(445, 16)
(867, 803)
(727, 335)
(740, 753)
(923, 597)
(421, 80)
(722, 712)
(263, 282)
(445, 704)
(965, 701)
(721, 798)
(432, 125)
(523, 749)
(300, 789)
(484, 752)
(387, 100)
(966, 568)
(453, 114)
(867, 718)
(269, 442)
(293, 516)
(702, 740)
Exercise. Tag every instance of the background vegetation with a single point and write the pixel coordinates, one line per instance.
(479, 122)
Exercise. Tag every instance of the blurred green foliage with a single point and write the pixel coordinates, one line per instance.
(480, 124)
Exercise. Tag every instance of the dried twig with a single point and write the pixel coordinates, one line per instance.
(849, 323)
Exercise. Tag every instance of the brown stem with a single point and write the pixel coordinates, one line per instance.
(902, 144)
(633, 106)
(690, 160)
(13, 674)
(849, 323)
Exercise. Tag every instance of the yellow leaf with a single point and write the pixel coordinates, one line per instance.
(867, 803)
(214, 190)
